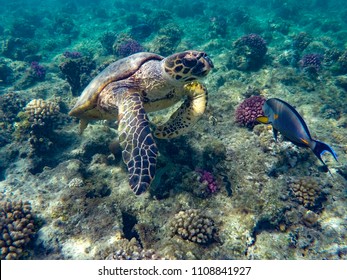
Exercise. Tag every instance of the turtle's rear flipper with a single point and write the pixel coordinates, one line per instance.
(139, 149)
(187, 114)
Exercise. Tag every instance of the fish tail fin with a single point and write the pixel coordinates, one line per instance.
(320, 148)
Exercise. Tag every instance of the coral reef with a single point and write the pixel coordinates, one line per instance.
(301, 41)
(131, 250)
(167, 40)
(307, 190)
(125, 46)
(77, 71)
(22, 28)
(10, 105)
(261, 199)
(311, 63)
(64, 24)
(43, 115)
(208, 179)
(342, 63)
(17, 228)
(72, 54)
(39, 120)
(218, 27)
(141, 31)
(19, 48)
(107, 40)
(6, 73)
(158, 18)
(249, 52)
(201, 183)
(248, 110)
(37, 71)
(195, 227)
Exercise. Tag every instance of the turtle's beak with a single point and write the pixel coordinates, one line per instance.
(209, 61)
(203, 65)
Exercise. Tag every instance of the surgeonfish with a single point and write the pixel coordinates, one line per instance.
(286, 120)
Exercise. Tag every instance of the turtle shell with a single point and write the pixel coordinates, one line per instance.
(116, 71)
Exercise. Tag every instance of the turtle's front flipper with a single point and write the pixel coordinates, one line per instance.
(187, 114)
(139, 149)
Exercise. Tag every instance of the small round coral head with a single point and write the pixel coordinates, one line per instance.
(263, 119)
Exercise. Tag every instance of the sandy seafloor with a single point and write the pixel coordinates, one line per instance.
(77, 184)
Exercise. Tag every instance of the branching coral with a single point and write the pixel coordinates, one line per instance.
(201, 183)
(248, 110)
(10, 105)
(39, 119)
(125, 46)
(167, 40)
(301, 41)
(6, 73)
(19, 48)
(250, 51)
(107, 39)
(342, 63)
(17, 228)
(77, 71)
(195, 227)
(307, 190)
(131, 250)
(311, 63)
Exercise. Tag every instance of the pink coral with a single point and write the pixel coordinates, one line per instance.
(208, 179)
(249, 110)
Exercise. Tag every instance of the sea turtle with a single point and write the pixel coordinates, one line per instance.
(140, 83)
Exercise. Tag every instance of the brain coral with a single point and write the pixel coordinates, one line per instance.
(17, 228)
(194, 226)
(248, 110)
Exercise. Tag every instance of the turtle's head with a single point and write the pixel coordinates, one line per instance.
(187, 66)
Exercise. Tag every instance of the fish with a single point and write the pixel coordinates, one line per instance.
(286, 120)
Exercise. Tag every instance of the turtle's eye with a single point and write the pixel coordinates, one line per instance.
(189, 62)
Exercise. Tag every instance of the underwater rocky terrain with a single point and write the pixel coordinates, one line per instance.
(225, 190)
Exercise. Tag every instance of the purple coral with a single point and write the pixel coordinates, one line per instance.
(207, 178)
(255, 43)
(37, 70)
(311, 63)
(72, 54)
(128, 47)
(249, 110)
